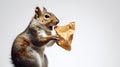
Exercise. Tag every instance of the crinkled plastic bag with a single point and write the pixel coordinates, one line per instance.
(65, 34)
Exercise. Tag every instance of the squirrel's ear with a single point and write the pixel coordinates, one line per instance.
(44, 10)
(37, 12)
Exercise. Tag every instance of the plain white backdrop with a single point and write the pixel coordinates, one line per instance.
(96, 40)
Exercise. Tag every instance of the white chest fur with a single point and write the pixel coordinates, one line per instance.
(42, 33)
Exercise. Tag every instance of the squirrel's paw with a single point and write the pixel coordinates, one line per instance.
(55, 37)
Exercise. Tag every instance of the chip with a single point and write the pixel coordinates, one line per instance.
(65, 34)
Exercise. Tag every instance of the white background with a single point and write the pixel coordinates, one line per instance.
(96, 40)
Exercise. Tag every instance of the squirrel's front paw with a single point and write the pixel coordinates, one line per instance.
(55, 37)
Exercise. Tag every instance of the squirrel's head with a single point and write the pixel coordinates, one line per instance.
(46, 18)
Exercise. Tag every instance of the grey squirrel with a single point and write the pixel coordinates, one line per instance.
(28, 47)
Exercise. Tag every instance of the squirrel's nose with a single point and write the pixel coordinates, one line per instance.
(57, 21)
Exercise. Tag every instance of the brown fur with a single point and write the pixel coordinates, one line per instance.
(28, 47)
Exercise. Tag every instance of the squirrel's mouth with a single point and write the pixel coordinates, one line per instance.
(50, 27)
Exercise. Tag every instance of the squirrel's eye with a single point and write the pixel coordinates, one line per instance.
(47, 16)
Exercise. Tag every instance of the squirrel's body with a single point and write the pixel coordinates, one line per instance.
(28, 47)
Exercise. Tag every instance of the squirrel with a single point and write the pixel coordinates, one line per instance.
(28, 47)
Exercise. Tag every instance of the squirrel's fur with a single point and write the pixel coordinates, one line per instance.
(28, 47)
